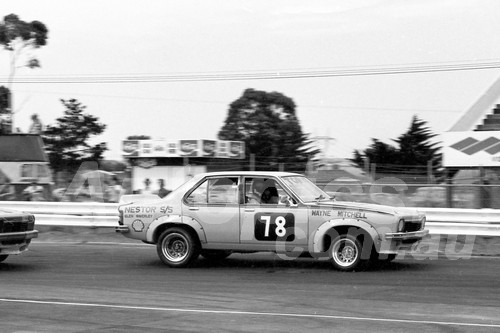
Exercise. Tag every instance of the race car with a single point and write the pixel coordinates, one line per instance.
(16, 232)
(219, 213)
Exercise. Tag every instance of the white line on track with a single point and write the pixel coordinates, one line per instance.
(248, 313)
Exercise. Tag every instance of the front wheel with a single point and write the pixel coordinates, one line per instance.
(346, 253)
(176, 247)
(3, 257)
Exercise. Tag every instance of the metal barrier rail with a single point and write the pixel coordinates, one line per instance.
(484, 222)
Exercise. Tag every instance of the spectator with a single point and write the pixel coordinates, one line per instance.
(34, 192)
(114, 190)
(36, 125)
(147, 188)
(162, 192)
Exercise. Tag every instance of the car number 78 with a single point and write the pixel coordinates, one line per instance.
(274, 226)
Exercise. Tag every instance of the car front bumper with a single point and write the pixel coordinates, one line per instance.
(20, 235)
(401, 236)
(16, 242)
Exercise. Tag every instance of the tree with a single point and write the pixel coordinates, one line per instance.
(4, 99)
(412, 155)
(415, 145)
(268, 125)
(21, 38)
(378, 153)
(67, 141)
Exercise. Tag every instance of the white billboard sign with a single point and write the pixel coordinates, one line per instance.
(471, 149)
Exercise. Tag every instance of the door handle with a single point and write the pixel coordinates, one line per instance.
(194, 208)
(249, 209)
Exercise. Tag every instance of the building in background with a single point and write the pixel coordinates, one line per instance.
(175, 161)
(471, 152)
(24, 165)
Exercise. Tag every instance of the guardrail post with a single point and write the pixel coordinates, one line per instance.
(449, 190)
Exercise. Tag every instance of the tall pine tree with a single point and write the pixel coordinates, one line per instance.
(414, 151)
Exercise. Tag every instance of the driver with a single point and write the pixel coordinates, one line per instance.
(263, 192)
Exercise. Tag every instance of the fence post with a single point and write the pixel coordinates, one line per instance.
(252, 162)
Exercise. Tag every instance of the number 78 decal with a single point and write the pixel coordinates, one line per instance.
(274, 226)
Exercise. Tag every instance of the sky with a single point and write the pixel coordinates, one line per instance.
(118, 38)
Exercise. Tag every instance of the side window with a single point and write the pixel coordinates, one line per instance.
(223, 191)
(216, 191)
(199, 196)
(42, 171)
(27, 171)
(262, 191)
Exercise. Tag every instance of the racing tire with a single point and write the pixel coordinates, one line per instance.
(3, 257)
(177, 247)
(346, 252)
(215, 255)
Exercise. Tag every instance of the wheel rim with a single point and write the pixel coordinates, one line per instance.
(345, 252)
(175, 247)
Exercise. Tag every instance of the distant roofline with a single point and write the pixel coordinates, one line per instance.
(484, 104)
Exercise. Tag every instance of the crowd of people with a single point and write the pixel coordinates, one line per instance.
(161, 192)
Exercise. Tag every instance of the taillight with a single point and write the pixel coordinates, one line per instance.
(120, 219)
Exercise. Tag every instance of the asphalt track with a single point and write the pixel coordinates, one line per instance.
(114, 286)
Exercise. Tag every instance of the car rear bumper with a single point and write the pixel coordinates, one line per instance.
(123, 229)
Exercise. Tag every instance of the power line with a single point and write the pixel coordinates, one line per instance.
(178, 100)
(262, 75)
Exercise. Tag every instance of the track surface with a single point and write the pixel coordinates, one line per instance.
(99, 287)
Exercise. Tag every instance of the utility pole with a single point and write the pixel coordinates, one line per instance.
(326, 143)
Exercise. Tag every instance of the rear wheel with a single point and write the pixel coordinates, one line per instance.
(176, 247)
(346, 252)
(3, 257)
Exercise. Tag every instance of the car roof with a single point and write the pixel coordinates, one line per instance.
(250, 173)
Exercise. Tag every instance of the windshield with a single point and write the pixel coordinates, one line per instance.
(305, 189)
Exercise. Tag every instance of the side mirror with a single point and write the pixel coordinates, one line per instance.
(289, 202)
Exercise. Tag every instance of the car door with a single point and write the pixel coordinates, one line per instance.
(214, 203)
(272, 225)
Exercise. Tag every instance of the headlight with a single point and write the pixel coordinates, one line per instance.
(401, 225)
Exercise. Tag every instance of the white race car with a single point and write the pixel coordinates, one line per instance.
(216, 214)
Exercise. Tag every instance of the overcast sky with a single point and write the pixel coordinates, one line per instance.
(127, 37)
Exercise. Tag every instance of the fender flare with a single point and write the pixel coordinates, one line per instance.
(175, 219)
(318, 236)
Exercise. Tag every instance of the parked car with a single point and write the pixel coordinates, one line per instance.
(216, 214)
(16, 232)
(435, 196)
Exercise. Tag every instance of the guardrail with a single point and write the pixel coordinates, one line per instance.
(77, 214)
(480, 222)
